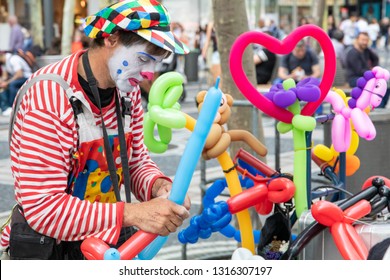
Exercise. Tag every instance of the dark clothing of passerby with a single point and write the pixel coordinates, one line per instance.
(265, 68)
(359, 62)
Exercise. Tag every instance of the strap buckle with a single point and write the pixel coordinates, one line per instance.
(126, 106)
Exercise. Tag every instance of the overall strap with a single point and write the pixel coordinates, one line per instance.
(43, 77)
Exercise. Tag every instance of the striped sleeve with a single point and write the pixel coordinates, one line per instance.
(44, 136)
(142, 168)
(4, 239)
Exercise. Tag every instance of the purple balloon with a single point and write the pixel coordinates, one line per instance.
(309, 93)
(269, 95)
(361, 82)
(309, 80)
(368, 75)
(352, 103)
(284, 98)
(356, 92)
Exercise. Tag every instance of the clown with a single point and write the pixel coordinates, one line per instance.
(77, 139)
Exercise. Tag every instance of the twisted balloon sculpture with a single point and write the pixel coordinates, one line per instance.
(368, 93)
(309, 90)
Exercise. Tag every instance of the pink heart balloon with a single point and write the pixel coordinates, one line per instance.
(281, 47)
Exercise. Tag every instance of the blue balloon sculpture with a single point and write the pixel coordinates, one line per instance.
(189, 160)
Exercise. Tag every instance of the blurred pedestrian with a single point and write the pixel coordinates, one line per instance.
(331, 25)
(17, 71)
(337, 41)
(301, 63)
(265, 61)
(350, 29)
(55, 47)
(373, 30)
(385, 31)
(16, 40)
(28, 40)
(360, 59)
(211, 55)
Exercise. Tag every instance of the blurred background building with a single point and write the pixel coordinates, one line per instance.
(45, 19)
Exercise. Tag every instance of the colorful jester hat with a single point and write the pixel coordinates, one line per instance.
(148, 18)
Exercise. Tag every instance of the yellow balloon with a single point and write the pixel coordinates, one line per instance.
(354, 143)
(323, 152)
(342, 94)
(334, 152)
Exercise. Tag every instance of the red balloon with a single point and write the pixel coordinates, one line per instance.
(357, 242)
(368, 182)
(94, 248)
(247, 198)
(343, 242)
(265, 207)
(357, 211)
(263, 196)
(280, 190)
(348, 242)
(135, 244)
(326, 213)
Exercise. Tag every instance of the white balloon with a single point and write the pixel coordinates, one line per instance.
(245, 254)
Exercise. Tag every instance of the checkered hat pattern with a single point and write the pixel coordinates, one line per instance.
(148, 18)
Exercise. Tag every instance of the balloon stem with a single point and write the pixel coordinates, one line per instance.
(217, 82)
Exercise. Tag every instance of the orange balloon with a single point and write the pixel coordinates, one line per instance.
(352, 165)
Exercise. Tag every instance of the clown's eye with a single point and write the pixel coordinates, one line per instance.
(143, 59)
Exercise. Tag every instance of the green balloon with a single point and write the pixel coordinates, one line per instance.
(165, 133)
(305, 123)
(283, 127)
(289, 83)
(171, 96)
(162, 85)
(151, 143)
(167, 117)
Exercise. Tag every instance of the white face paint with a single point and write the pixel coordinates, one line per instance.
(130, 65)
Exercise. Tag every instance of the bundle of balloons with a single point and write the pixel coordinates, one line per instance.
(283, 101)
(263, 190)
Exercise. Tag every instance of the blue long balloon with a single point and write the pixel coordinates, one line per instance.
(189, 160)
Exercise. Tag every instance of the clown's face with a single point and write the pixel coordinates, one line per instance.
(128, 66)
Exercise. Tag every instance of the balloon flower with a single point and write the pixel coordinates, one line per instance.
(299, 125)
(283, 47)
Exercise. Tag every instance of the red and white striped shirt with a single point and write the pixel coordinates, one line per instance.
(44, 138)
